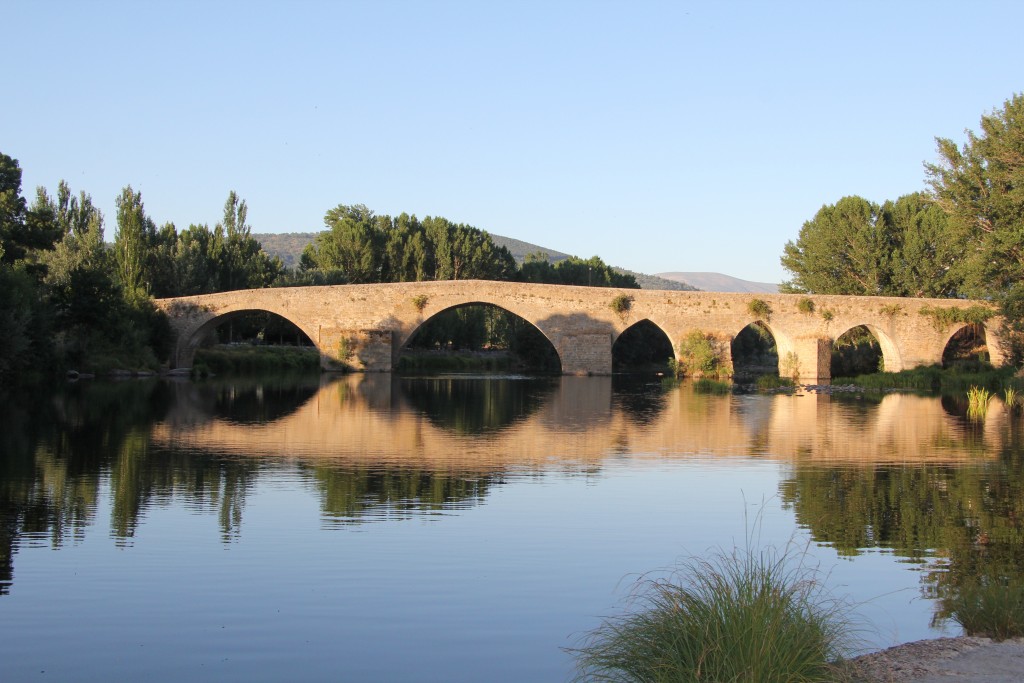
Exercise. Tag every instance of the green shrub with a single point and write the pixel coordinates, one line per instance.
(622, 303)
(743, 616)
(699, 356)
(827, 315)
(759, 308)
(992, 609)
(805, 305)
(420, 302)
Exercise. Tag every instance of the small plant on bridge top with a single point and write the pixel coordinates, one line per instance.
(944, 317)
(805, 306)
(622, 303)
(420, 301)
(891, 310)
(827, 315)
(759, 308)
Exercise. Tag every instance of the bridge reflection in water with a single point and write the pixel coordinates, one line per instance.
(579, 421)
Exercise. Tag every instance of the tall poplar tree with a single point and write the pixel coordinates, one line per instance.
(130, 242)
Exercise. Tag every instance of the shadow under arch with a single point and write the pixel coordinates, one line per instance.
(784, 347)
(643, 346)
(477, 326)
(754, 351)
(207, 333)
(966, 345)
(865, 344)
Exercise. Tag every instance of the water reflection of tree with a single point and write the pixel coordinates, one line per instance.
(366, 493)
(476, 406)
(965, 524)
(58, 452)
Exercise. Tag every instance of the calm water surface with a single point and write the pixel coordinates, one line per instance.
(459, 529)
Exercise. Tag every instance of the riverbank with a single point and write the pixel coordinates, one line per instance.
(965, 659)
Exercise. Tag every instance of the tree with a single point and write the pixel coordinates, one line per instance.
(352, 244)
(131, 243)
(981, 188)
(844, 249)
(244, 264)
(925, 265)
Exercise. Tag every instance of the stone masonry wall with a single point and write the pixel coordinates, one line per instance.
(377, 320)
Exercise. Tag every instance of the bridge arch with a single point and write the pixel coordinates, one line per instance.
(969, 337)
(529, 335)
(644, 345)
(892, 359)
(754, 351)
(192, 338)
(785, 348)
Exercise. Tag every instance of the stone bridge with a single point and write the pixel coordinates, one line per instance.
(365, 327)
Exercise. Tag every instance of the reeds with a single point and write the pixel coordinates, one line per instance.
(1010, 398)
(977, 402)
(740, 616)
(993, 609)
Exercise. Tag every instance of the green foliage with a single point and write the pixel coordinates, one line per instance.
(705, 385)
(621, 303)
(978, 186)
(789, 366)
(942, 316)
(827, 315)
(134, 231)
(774, 383)
(1010, 396)
(759, 308)
(977, 402)
(592, 272)
(699, 356)
(247, 358)
(805, 306)
(364, 247)
(420, 302)
(747, 615)
(989, 608)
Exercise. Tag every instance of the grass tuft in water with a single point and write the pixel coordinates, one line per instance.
(1010, 399)
(741, 616)
(774, 383)
(993, 610)
(977, 402)
(712, 386)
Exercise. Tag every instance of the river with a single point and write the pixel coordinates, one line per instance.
(461, 528)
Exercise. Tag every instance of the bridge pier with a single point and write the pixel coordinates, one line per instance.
(585, 354)
(808, 360)
(366, 350)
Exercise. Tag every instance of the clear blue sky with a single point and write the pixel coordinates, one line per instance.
(658, 135)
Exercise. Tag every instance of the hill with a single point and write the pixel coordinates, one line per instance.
(718, 282)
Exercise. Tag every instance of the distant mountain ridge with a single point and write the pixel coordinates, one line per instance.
(288, 247)
(718, 282)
